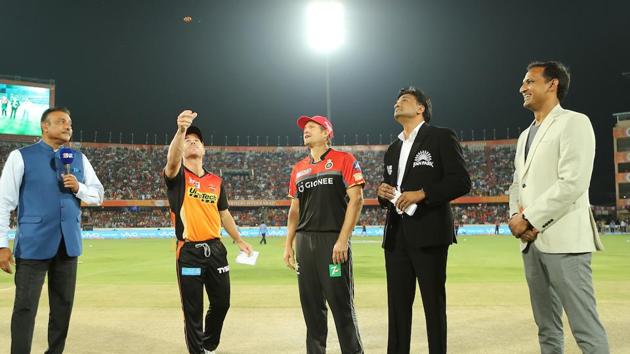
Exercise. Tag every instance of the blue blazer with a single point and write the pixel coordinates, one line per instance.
(47, 211)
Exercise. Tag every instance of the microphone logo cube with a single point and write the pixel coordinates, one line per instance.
(66, 155)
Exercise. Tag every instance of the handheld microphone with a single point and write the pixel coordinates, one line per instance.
(67, 156)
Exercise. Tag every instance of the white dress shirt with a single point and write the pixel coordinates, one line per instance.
(91, 192)
(404, 152)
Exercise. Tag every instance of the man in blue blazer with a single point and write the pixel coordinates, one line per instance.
(48, 198)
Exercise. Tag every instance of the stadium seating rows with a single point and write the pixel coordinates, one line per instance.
(134, 172)
(159, 217)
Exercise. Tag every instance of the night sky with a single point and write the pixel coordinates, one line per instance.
(244, 65)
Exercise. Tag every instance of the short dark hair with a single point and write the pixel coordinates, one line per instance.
(54, 109)
(421, 97)
(554, 70)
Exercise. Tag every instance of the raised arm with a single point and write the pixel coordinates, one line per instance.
(176, 149)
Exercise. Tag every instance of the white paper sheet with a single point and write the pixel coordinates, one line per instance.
(243, 258)
(410, 209)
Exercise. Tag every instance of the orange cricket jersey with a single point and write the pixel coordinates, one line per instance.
(195, 202)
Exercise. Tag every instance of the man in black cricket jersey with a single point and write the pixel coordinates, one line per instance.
(326, 192)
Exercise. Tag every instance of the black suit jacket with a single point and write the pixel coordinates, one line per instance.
(437, 166)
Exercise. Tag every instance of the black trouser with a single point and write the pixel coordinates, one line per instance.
(199, 265)
(263, 240)
(404, 267)
(29, 279)
(318, 283)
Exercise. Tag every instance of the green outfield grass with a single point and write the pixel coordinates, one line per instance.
(473, 259)
(127, 300)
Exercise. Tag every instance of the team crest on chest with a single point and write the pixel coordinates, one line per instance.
(329, 164)
(423, 158)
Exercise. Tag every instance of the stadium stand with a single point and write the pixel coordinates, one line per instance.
(256, 180)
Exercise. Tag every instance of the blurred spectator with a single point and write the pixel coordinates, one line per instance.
(135, 172)
(126, 217)
(480, 213)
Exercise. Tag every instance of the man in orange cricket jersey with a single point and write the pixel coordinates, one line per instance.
(198, 209)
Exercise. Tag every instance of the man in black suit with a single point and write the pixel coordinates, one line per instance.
(424, 169)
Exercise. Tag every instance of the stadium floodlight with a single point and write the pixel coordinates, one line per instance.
(325, 25)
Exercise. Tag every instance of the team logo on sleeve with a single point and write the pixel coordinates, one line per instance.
(423, 158)
(329, 164)
(358, 175)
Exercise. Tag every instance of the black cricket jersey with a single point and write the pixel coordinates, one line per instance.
(321, 189)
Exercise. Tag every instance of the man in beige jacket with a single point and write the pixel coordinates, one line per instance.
(551, 215)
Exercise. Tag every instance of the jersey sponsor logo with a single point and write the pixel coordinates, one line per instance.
(329, 164)
(423, 158)
(334, 270)
(303, 173)
(312, 184)
(222, 270)
(202, 196)
(191, 271)
(389, 169)
(194, 182)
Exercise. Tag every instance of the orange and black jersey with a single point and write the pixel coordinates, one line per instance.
(195, 203)
(321, 189)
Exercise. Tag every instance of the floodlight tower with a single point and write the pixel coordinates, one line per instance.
(325, 33)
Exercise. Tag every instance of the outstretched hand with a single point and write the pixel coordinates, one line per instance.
(185, 119)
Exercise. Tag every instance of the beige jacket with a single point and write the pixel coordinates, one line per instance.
(551, 186)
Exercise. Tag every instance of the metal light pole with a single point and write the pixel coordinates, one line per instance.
(325, 33)
(328, 114)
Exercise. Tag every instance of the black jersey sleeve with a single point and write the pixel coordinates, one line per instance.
(223, 200)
